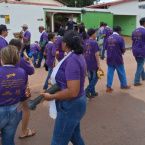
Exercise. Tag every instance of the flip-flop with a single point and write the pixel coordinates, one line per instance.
(27, 135)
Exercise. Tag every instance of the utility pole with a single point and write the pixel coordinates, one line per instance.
(75, 3)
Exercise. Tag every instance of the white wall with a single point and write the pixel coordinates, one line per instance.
(128, 8)
(22, 14)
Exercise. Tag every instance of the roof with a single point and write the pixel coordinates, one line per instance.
(30, 3)
(62, 2)
(106, 5)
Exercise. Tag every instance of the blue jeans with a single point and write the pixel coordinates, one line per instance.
(103, 51)
(9, 121)
(140, 73)
(35, 57)
(48, 77)
(27, 48)
(93, 79)
(67, 125)
(40, 56)
(121, 74)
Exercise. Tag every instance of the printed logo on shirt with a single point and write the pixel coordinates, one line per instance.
(7, 93)
(18, 92)
(11, 75)
(10, 99)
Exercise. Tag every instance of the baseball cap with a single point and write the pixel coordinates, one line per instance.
(3, 28)
(91, 31)
(117, 28)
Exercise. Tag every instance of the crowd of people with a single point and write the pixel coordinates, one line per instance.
(77, 51)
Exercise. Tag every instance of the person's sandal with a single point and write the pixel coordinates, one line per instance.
(33, 132)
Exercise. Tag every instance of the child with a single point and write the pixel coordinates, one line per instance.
(34, 50)
(49, 52)
(93, 64)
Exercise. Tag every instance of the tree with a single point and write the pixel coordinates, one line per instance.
(80, 3)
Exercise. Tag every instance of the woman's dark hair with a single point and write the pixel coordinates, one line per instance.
(17, 43)
(61, 31)
(101, 24)
(73, 41)
(142, 21)
(50, 36)
(82, 30)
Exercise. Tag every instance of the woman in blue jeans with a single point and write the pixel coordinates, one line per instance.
(71, 100)
(12, 83)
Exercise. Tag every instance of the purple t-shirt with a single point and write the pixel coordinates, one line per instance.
(34, 48)
(12, 83)
(108, 31)
(44, 37)
(27, 34)
(91, 47)
(84, 40)
(50, 51)
(138, 42)
(3, 43)
(114, 45)
(73, 68)
(58, 44)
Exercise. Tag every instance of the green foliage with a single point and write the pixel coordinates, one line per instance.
(80, 3)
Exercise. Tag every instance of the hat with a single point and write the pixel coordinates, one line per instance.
(41, 27)
(70, 37)
(91, 31)
(3, 28)
(25, 26)
(117, 28)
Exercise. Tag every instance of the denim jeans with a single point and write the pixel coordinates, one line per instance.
(9, 121)
(40, 56)
(48, 77)
(103, 51)
(67, 125)
(35, 57)
(93, 79)
(27, 48)
(140, 73)
(121, 74)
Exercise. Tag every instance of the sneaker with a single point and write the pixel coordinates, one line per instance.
(88, 94)
(127, 87)
(95, 94)
(37, 66)
(139, 84)
(109, 89)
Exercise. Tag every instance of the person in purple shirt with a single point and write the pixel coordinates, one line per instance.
(49, 52)
(84, 36)
(25, 37)
(106, 33)
(25, 95)
(42, 43)
(58, 44)
(34, 51)
(115, 47)
(91, 53)
(13, 81)
(71, 100)
(3, 35)
(138, 48)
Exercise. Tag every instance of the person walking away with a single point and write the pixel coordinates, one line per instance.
(93, 63)
(25, 37)
(138, 49)
(115, 47)
(106, 33)
(42, 44)
(49, 52)
(58, 44)
(13, 80)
